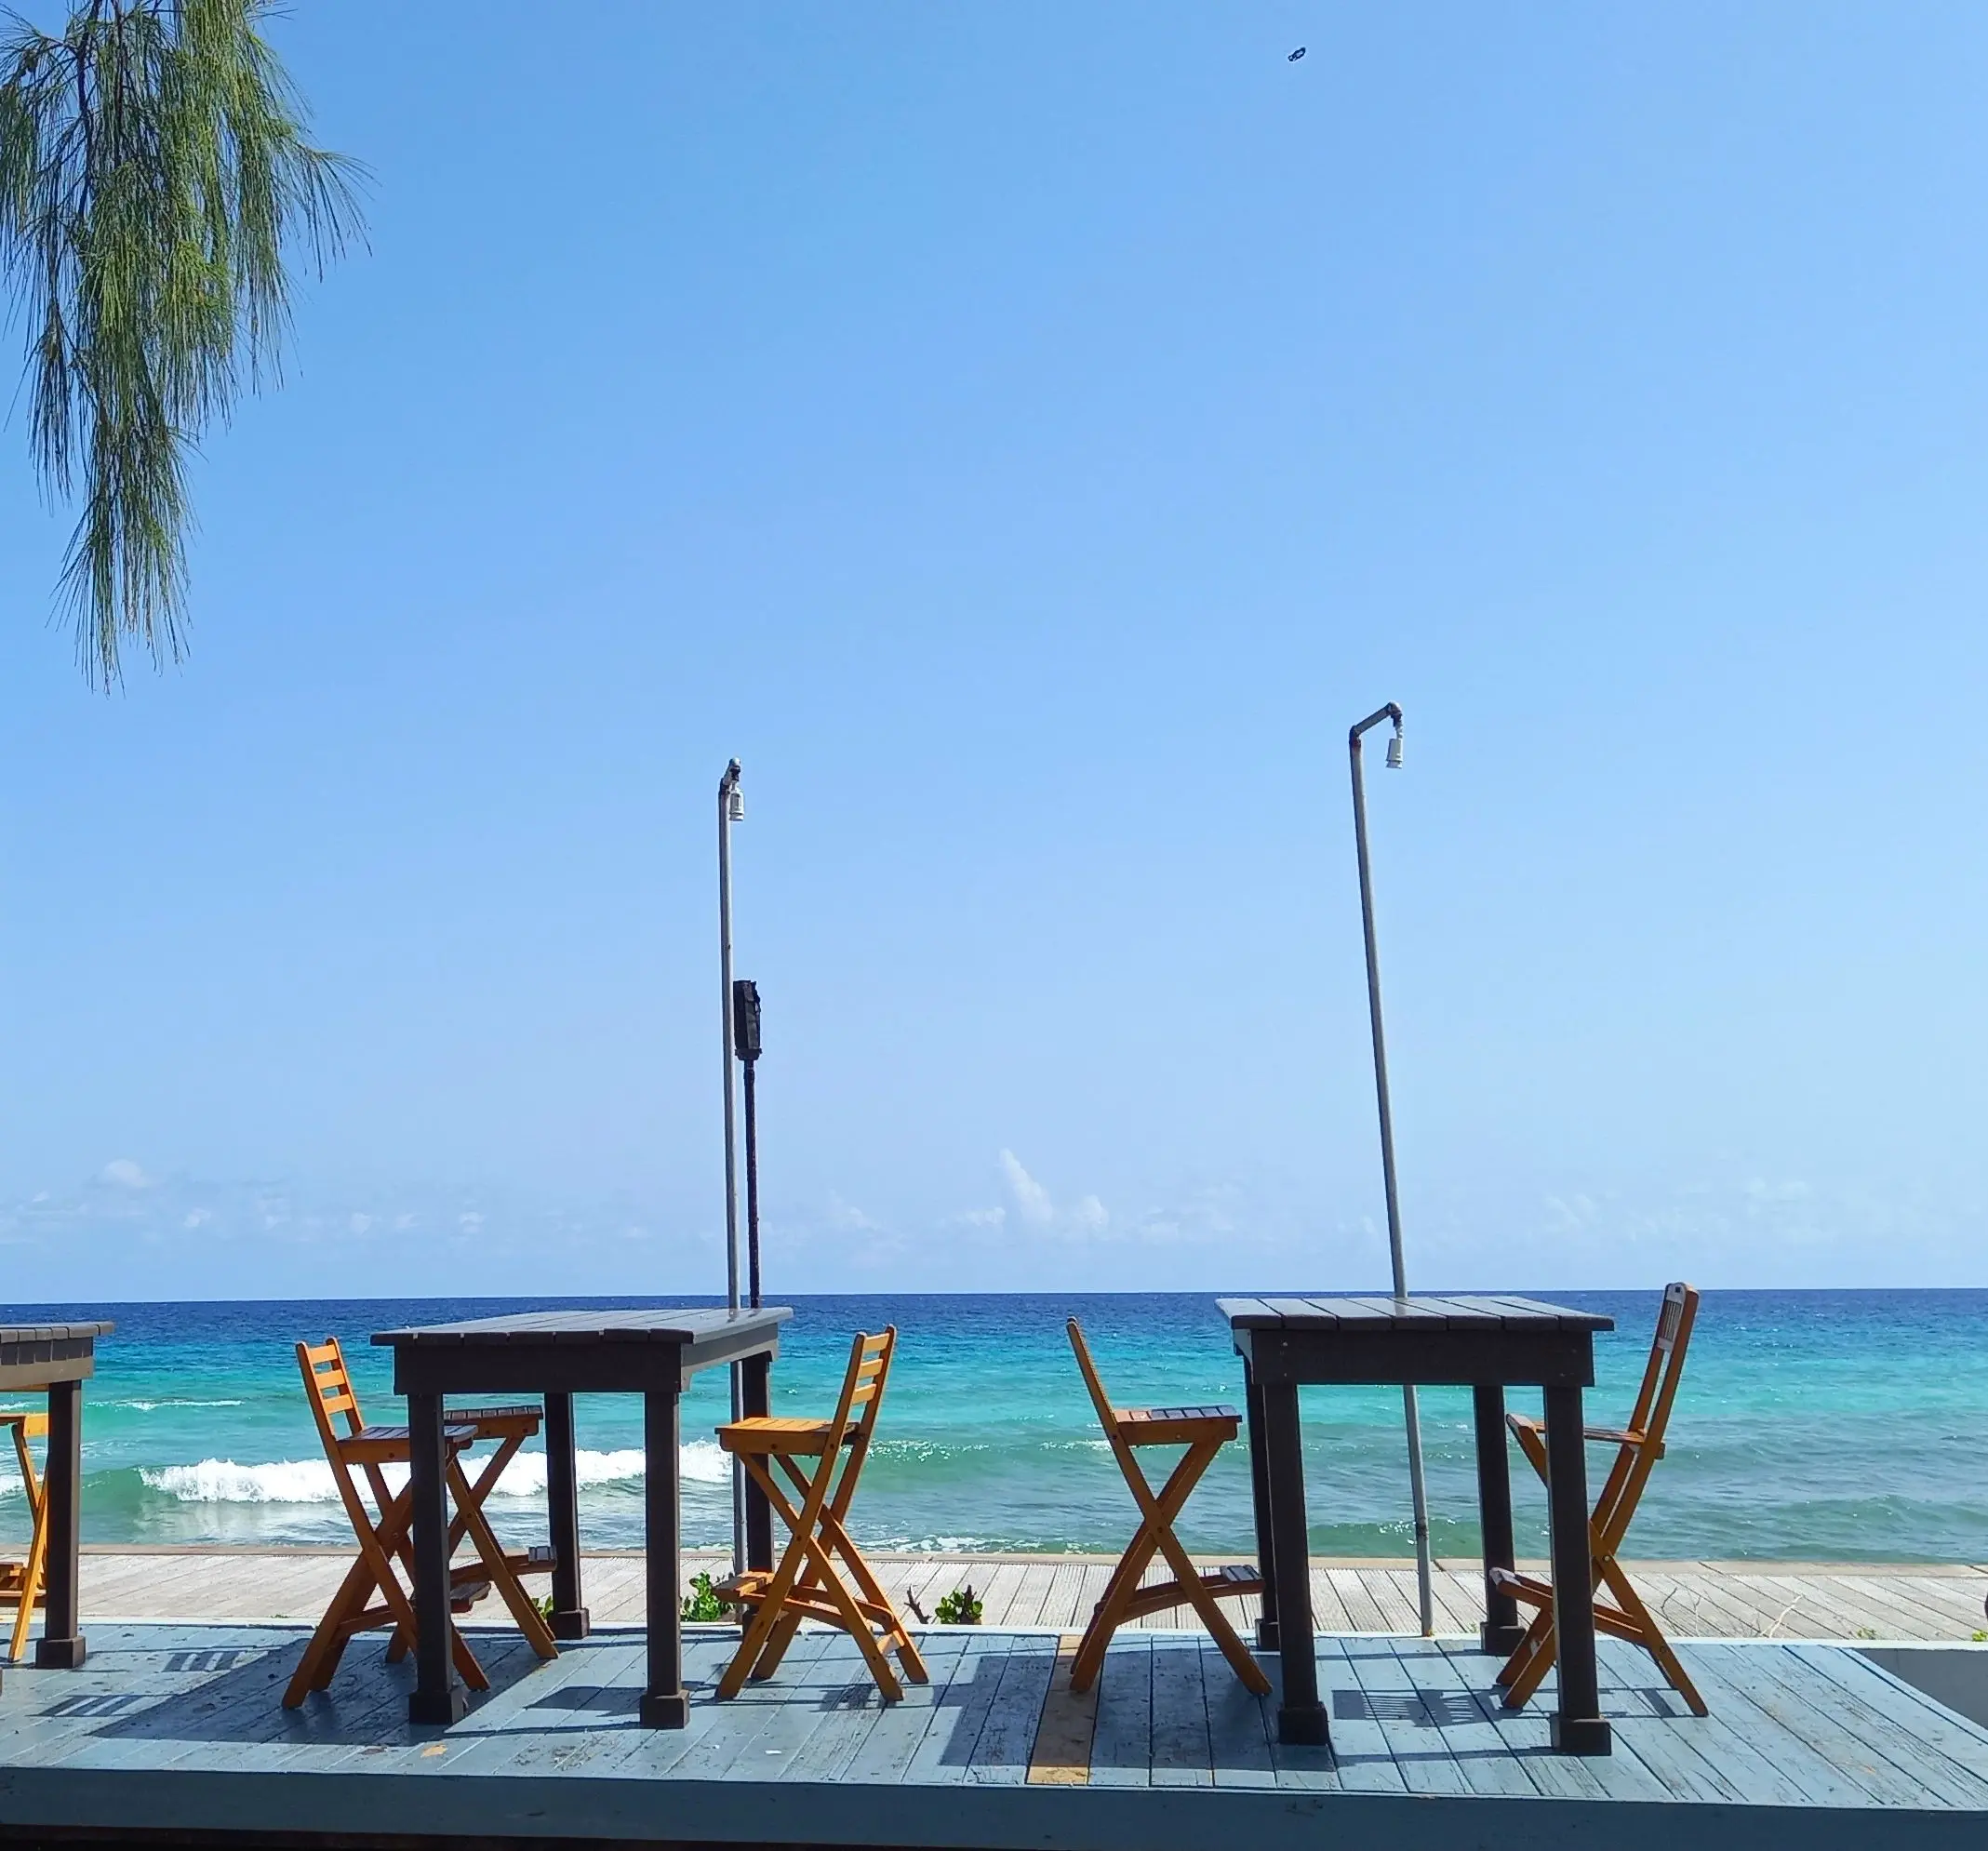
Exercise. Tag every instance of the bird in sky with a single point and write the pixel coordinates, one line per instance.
(1295, 56)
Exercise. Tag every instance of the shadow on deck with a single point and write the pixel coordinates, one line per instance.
(178, 1731)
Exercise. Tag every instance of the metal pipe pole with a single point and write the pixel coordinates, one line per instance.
(1418, 1489)
(728, 802)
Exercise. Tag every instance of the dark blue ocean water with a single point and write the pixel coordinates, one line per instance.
(1830, 1425)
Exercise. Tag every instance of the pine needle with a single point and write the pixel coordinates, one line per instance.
(154, 185)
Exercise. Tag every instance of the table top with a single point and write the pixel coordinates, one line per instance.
(51, 1333)
(675, 1326)
(1368, 1316)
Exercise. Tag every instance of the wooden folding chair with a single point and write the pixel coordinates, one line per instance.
(1203, 1432)
(20, 1582)
(1638, 1448)
(806, 1584)
(385, 1544)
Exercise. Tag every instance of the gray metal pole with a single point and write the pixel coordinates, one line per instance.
(1418, 1489)
(727, 795)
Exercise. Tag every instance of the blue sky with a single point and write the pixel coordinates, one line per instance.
(1028, 436)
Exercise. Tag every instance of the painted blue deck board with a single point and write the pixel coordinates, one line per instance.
(1239, 1726)
(1796, 1777)
(810, 1693)
(1181, 1751)
(1362, 1760)
(884, 1752)
(1121, 1742)
(735, 1726)
(1001, 1752)
(1619, 1777)
(1465, 1727)
(1954, 1735)
(570, 1718)
(945, 1754)
(1808, 1745)
(1882, 1753)
(1387, 1687)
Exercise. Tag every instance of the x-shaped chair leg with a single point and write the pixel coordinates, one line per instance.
(1158, 1515)
(873, 1604)
(378, 1546)
(402, 1641)
(530, 1621)
(1526, 1670)
(32, 1570)
(772, 1626)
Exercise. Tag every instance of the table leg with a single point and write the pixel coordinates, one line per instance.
(1502, 1631)
(758, 1393)
(1579, 1727)
(664, 1702)
(1301, 1716)
(61, 1645)
(438, 1695)
(569, 1619)
(1266, 1551)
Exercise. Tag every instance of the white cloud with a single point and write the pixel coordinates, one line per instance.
(125, 1174)
(1030, 1199)
(197, 1217)
(1033, 1207)
(848, 1217)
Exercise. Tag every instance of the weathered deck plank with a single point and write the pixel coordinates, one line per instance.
(179, 1727)
(1690, 1599)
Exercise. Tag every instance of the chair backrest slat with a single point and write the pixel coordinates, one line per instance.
(327, 1385)
(1674, 1336)
(1651, 1415)
(863, 1387)
(1107, 1414)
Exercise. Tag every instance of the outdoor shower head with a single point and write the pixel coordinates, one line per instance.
(1394, 749)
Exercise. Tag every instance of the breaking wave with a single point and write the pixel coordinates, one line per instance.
(216, 1480)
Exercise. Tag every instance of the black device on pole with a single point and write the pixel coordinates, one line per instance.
(745, 1041)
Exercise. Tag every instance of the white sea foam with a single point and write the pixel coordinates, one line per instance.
(214, 1481)
(152, 1407)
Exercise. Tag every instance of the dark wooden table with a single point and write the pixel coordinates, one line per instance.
(559, 1354)
(55, 1360)
(1487, 1344)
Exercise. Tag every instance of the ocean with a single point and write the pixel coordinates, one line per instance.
(1842, 1426)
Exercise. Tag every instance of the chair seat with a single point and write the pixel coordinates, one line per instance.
(779, 1433)
(1175, 1426)
(498, 1423)
(388, 1445)
(1600, 1436)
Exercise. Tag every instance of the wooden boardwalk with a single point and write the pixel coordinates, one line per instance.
(179, 1728)
(1757, 1599)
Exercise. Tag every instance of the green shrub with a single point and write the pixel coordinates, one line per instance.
(961, 1607)
(702, 1601)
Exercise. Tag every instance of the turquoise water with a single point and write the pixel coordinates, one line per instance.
(1820, 1425)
